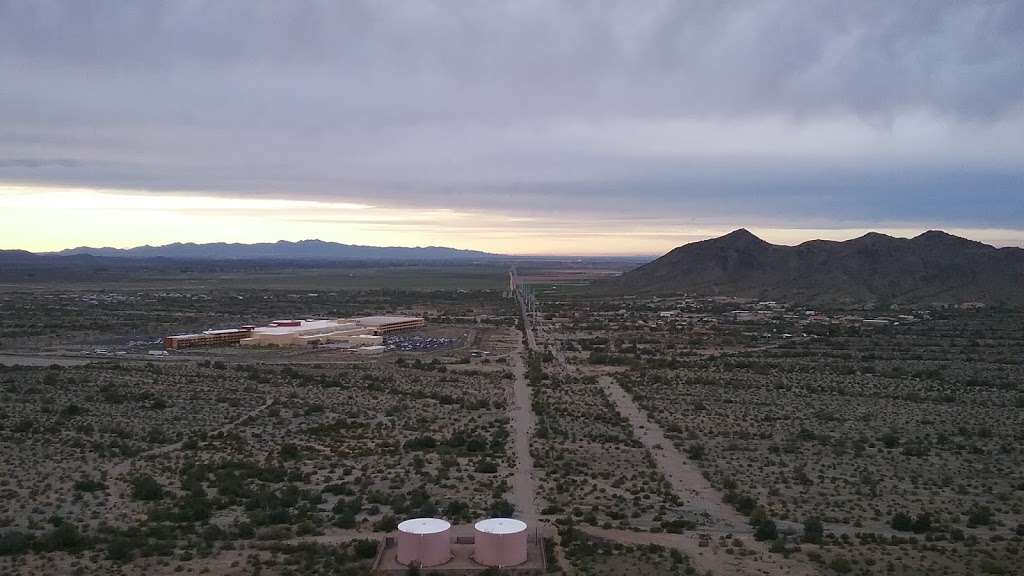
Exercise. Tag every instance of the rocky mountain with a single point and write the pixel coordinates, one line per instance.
(932, 267)
(282, 250)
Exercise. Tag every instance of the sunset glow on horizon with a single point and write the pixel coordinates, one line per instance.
(44, 219)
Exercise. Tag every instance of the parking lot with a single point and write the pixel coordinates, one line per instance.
(418, 343)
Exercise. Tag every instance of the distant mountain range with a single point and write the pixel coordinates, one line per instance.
(281, 250)
(932, 267)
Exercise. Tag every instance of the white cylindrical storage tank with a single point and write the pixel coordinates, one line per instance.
(424, 542)
(500, 542)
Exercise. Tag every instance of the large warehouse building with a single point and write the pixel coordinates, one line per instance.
(387, 324)
(207, 338)
(361, 332)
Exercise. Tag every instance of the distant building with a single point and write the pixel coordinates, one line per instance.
(296, 332)
(875, 323)
(743, 315)
(206, 339)
(386, 324)
(353, 333)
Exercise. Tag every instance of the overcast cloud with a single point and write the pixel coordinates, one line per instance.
(798, 114)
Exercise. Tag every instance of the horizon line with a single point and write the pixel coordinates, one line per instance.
(69, 251)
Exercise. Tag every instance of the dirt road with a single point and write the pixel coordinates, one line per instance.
(713, 557)
(523, 482)
(686, 478)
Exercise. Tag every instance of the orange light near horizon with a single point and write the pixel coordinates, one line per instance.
(47, 218)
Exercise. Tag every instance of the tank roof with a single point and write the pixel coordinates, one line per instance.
(424, 526)
(500, 526)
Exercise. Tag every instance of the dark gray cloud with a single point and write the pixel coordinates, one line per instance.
(813, 111)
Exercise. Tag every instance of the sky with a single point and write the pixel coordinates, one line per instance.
(528, 127)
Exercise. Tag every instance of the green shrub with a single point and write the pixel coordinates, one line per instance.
(766, 530)
(364, 548)
(15, 542)
(146, 488)
(902, 521)
(841, 565)
(89, 485)
(814, 530)
(486, 467)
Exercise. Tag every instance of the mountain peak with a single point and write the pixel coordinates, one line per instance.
(740, 233)
(872, 237)
(933, 267)
(739, 237)
(940, 236)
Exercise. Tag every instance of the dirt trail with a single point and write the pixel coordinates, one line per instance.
(336, 536)
(523, 482)
(688, 481)
(686, 478)
(119, 489)
(713, 556)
